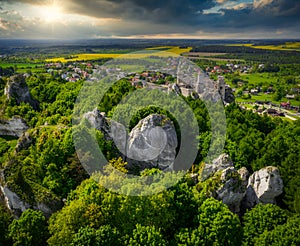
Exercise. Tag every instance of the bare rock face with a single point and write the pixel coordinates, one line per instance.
(17, 88)
(221, 163)
(152, 143)
(232, 190)
(14, 203)
(14, 127)
(264, 186)
(97, 120)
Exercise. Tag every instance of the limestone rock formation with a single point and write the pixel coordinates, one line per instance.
(17, 206)
(263, 187)
(238, 189)
(153, 141)
(244, 174)
(175, 87)
(13, 201)
(97, 120)
(221, 163)
(17, 88)
(232, 190)
(14, 127)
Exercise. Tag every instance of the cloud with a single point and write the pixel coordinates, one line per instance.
(261, 3)
(158, 17)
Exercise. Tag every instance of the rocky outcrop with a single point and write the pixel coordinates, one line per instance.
(229, 95)
(244, 174)
(232, 190)
(17, 206)
(97, 120)
(13, 201)
(24, 142)
(263, 187)
(238, 189)
(14, 127)
(175, 87)
(221, 163)
(153, 143)
(112, 130)
(17, 88)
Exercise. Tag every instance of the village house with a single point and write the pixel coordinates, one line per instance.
(286, 105)
(291, 97)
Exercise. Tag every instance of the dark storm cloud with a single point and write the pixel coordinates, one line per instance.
(153, 10)
(160, 11)
(277, 14)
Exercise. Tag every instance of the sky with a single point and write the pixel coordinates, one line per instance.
(197, 19)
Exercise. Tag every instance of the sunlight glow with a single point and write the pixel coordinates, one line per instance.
(51, 13)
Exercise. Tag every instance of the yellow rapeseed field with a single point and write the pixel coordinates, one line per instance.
(289, 46)
(165, 51)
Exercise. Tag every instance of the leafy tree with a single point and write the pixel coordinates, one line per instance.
(217, 226)
(146, 236)
(261, 218)
(30, 229)
(5, 220)
(283, 235)
(105, 235)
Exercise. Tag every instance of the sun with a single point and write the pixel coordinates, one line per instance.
(51, 13)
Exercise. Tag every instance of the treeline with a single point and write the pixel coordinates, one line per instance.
(251, 54)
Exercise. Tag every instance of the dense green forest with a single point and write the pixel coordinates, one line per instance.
(48, 171)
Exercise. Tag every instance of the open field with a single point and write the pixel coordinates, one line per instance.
(257, 78)
(161, 51)
(173, 49)
(288, 46)
(24, 67)
(82, 57)
(266, 97)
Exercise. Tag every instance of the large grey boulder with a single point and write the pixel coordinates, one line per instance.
(263, 187)
(153, 143)
(17, 88)
(14, 127)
